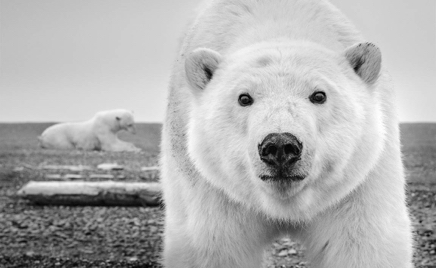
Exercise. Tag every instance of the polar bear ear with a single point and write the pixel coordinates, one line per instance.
(118, 118)
(365, 59)
(200, 66)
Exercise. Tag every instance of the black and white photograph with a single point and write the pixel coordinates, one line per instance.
(218, 133)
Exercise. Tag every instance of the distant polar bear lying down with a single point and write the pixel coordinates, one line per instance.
(98, 133)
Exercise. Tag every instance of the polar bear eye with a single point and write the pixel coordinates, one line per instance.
(245, 100)
(318, 97)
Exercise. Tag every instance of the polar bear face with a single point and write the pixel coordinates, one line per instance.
(126, 122)
(282, 127)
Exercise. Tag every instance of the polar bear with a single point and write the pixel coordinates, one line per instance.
(281, 122)
(98, 133)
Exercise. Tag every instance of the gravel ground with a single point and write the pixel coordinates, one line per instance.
(59, 236)
(56, 236)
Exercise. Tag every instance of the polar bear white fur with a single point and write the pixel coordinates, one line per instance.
(260, 83)
(98, 133)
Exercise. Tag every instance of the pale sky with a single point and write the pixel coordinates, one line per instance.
(64, 60)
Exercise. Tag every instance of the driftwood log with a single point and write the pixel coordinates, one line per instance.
(85, 193)
(66, 167)
(110, 166)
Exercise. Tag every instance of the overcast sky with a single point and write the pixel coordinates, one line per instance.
(64, 60)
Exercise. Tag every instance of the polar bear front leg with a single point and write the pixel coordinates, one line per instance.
(361, 232)
(214, 240)
(111, 143)
(203, 229)
(123, 146)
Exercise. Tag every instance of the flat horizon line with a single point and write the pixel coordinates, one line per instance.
(158, 122)
(46, 122)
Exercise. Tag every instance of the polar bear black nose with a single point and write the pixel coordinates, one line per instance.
(280, 149)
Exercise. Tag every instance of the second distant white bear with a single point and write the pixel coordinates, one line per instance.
(98, 133)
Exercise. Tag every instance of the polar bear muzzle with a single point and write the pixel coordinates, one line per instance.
(280, 152)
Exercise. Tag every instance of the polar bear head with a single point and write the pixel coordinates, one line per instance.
(286, 128)
(125, 121)
(117, 120)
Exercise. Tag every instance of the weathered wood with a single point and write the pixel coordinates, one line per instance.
(64, 177)
(57, 177)
(73, 177)
(150, 169)
(66, 167)
(69, 177)
(102, 176)
(110, 166)
(84, 193)
(150, 172)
